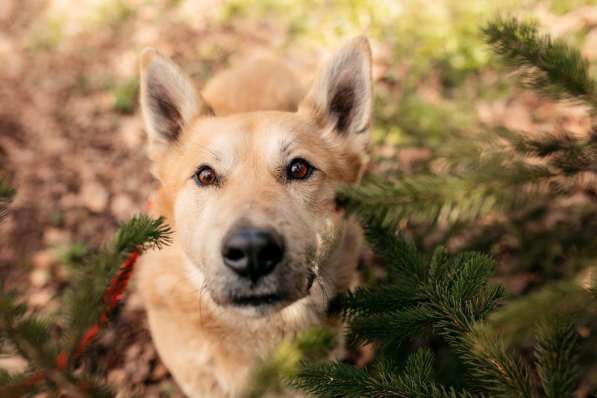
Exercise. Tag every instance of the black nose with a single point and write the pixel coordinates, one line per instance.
(252, 252)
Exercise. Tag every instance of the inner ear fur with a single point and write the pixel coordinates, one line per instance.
(341, 95)
(169, 100)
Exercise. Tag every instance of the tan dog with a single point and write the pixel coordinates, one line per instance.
(248, 174)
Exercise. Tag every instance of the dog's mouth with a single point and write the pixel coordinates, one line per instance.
(257, 300)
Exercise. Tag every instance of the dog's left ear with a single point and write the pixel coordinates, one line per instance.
(341, 96)
(169, 101)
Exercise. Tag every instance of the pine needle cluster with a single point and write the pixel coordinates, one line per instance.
(55, 350)
(497, 171)
(428, 304)
(447, 297)
(518, 173)
(548, 66)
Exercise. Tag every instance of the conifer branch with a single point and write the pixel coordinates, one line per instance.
(548, 66)
(460, 197)
(404, 260)
(86, 301)
(97, 289)
(556, 358)
(422, 198)
(339, 379)
(567, 154)
(451, 298)
(566, 299)
(495, 370)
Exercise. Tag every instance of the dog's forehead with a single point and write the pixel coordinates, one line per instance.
(268, 134)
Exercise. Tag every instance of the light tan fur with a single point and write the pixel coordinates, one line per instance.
(249, 124)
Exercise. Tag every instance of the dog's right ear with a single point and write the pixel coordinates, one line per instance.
(341, 95)
(169, 101)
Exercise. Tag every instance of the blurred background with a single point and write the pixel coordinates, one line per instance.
(72, 140)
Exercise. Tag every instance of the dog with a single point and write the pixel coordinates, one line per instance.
(248, 172)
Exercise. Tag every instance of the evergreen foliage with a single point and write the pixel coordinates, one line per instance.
(342, 380)
(447, 299)
(548, 66)
(55, 351)
(555, 352)
(474, 184)
(513, 177)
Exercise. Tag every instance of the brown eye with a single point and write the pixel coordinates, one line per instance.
(205, 176)
(299, 169)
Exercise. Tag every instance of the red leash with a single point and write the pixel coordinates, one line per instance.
(113, 296)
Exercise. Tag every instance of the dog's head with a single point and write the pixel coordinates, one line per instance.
(252, 195)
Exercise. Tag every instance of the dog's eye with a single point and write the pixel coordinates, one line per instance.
(205, 176)
(299, 169)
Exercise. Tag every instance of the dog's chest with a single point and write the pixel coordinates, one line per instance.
(208, 357)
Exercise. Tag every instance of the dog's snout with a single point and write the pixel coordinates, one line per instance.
(253, 252)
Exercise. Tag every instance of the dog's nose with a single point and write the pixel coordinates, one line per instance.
(253, 252)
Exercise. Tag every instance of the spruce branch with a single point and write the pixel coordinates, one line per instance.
(422, 198)
(489, 183)
(392, 328)
(141, 233)
(556, 357)
(419, 366)
(448, 293)
(343, 380)
(495, 370)
(28, 335)
(566, 299)
(86, 301)
(548, 66)
(368, 301)
(96, 290)
(403, 259)
(453, 297)
(564, 152)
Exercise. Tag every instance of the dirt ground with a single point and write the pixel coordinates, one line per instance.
(72, 140)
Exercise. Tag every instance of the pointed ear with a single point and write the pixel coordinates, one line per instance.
(168, 100)
(341, 95)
